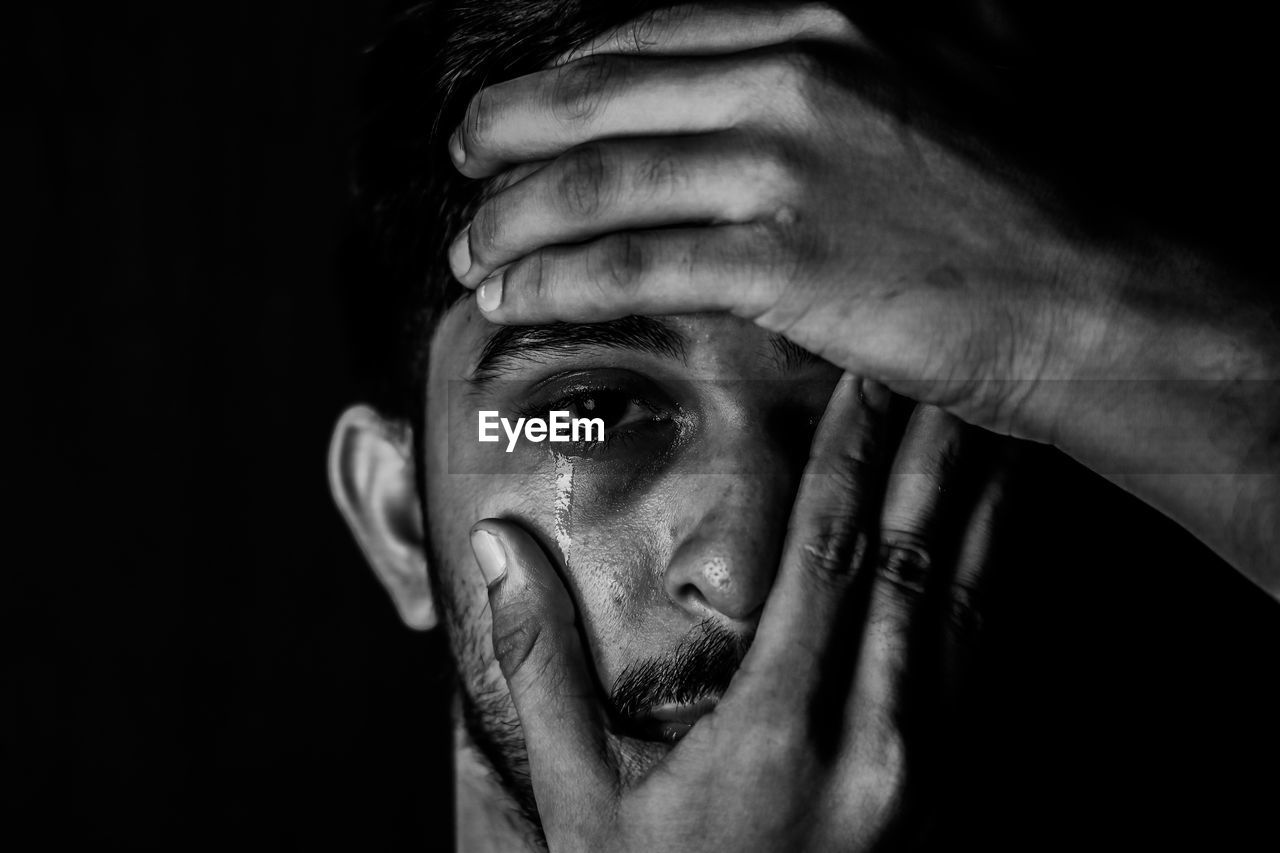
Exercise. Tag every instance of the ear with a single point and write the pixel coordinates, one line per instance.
(371, 477)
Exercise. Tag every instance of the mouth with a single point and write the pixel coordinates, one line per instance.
(669, 722)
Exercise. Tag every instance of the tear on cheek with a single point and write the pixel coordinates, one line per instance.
(564, 506)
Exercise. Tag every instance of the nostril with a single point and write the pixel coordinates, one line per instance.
(691, 597)
(726, 576)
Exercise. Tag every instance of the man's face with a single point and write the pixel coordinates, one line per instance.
(667, 534)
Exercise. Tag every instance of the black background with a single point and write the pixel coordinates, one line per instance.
(204, 659)
(194, 654)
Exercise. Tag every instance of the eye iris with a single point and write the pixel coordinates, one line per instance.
(609, 408)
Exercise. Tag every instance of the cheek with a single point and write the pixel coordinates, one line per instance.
(604, 547)
(466, 482)
(508, 488)
(613, 530)
(608, 531)
(454, 504)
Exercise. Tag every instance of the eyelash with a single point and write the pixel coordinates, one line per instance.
(613, 438)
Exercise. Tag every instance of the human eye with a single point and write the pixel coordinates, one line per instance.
(632, 408)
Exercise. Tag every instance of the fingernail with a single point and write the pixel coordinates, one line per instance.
(456, 151)
(489, 294)
(491, 555)
(460, 253)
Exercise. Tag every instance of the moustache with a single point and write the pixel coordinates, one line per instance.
(701, 667)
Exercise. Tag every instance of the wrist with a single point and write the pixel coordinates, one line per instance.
(1075, 336)
(1135, 325)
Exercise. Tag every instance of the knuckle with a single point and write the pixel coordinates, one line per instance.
(890, 763)
(772, 266)
(794, 83)
(659, 175)
(652, 26)
(640, 32)
(964, 611)
(905, 561)
(514, 644)
(784, 244)
(774, 171)
(828, 557)
(620, 263)
(580, 87)
(791, 71)
(846, 463)
(645, 30)
(941, 458)
(583, 181)
(883, 762)
(884, 759)
(527, 278)
(841, 472)
(792, 244)
(802, 65)
(766, 181)
(527, 660)
(542, 671)
(823, 565)
(486, 231)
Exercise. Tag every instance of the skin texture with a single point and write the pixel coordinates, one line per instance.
(673, 536)
(787, 195)
(639, 537)
(829, 698)
(806, 210)
(653, 555)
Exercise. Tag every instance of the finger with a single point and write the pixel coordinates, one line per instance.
(541, 115)
(829, 539)
(923, 493)
(697, 30)
(734, 268)
(620, 185)
(513, 176)
(537, 646)
(978, 554)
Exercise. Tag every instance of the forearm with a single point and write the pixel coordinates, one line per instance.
(1237, 515)
(1173, 393)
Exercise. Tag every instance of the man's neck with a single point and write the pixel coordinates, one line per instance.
(485, 818)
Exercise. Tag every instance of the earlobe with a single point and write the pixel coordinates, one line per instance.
(371, 477)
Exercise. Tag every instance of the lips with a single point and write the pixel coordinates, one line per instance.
(670, 722)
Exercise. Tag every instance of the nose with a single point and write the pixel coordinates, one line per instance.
(729, 531)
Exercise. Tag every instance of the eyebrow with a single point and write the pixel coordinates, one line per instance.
(790, 356)
(511, 346)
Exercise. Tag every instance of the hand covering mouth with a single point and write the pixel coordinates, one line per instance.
(660, 698)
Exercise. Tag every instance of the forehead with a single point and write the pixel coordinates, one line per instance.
(699, 346)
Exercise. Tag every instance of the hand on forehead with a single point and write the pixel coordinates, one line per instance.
(509, 123)
(628, 132)
(741, 160)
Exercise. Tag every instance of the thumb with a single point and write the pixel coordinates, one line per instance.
(536, 642)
